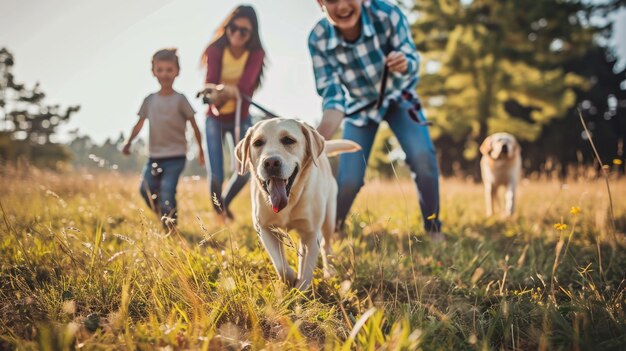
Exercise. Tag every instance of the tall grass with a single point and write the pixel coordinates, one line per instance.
(85, 264)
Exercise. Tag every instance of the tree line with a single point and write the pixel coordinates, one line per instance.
(523, 67)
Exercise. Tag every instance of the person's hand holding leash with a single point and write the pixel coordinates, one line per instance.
(396, 61)
(217, 95)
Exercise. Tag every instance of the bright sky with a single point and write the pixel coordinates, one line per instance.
(97, 54)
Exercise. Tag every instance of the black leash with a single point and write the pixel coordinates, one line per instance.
(413, 111)
(383, 86)
(205, 94)
(269, 113)
(381, 96)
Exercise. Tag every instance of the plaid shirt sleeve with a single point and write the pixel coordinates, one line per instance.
(402, 40)
(326, 78)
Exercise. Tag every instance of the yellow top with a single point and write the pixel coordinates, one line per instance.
(232, 69)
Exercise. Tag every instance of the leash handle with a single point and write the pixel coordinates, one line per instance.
(383, 86)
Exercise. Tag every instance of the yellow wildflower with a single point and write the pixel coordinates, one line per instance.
(574, 210)
(560, 226)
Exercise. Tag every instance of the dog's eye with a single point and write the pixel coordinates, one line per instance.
(258, 143)
(287, 141)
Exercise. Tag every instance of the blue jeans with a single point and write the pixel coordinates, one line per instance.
(420, 157)
(216, 129)
(158, 186)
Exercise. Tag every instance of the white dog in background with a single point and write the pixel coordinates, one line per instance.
(292, 187)
(500, 165)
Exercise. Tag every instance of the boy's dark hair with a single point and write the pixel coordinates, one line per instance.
(166, 55)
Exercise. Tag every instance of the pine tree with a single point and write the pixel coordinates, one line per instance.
(27, 123)
(498, 66)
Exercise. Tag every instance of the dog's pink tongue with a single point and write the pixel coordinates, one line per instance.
(278, 194)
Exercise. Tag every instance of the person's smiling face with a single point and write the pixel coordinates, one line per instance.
(343, 14)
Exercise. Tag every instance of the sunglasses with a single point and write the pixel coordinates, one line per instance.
(243, 31)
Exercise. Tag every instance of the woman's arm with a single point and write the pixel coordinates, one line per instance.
(214, 73)
(213, 65)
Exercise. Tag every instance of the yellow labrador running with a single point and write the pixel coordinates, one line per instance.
(292, 187)
(500, 165)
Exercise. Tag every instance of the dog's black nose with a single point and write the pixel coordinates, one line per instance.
(505, 148)
(272, 164)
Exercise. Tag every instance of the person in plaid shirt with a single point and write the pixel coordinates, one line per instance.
(349, 50)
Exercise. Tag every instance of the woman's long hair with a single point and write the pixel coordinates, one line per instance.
(221, 40)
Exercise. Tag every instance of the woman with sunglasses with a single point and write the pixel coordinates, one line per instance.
(235, 58)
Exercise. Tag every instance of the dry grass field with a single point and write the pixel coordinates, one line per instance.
(84, 264)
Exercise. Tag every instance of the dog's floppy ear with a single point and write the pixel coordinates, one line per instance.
(314, 142)
(242, 152)
(485, 147)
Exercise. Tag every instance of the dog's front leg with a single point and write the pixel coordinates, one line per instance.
(274, 247)
(490, 197)
(328, 229)
(307, 258)
(509, 199)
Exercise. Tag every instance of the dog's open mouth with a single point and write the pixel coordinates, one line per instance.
(278, 190)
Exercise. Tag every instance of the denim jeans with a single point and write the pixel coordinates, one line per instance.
(420, 157)
(216, 129)
(158, 186)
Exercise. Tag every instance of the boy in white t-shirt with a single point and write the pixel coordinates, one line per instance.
(168, 112)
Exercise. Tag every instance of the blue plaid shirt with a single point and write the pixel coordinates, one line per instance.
(348, 75)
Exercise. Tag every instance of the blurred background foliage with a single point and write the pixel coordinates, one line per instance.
(522, 67)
